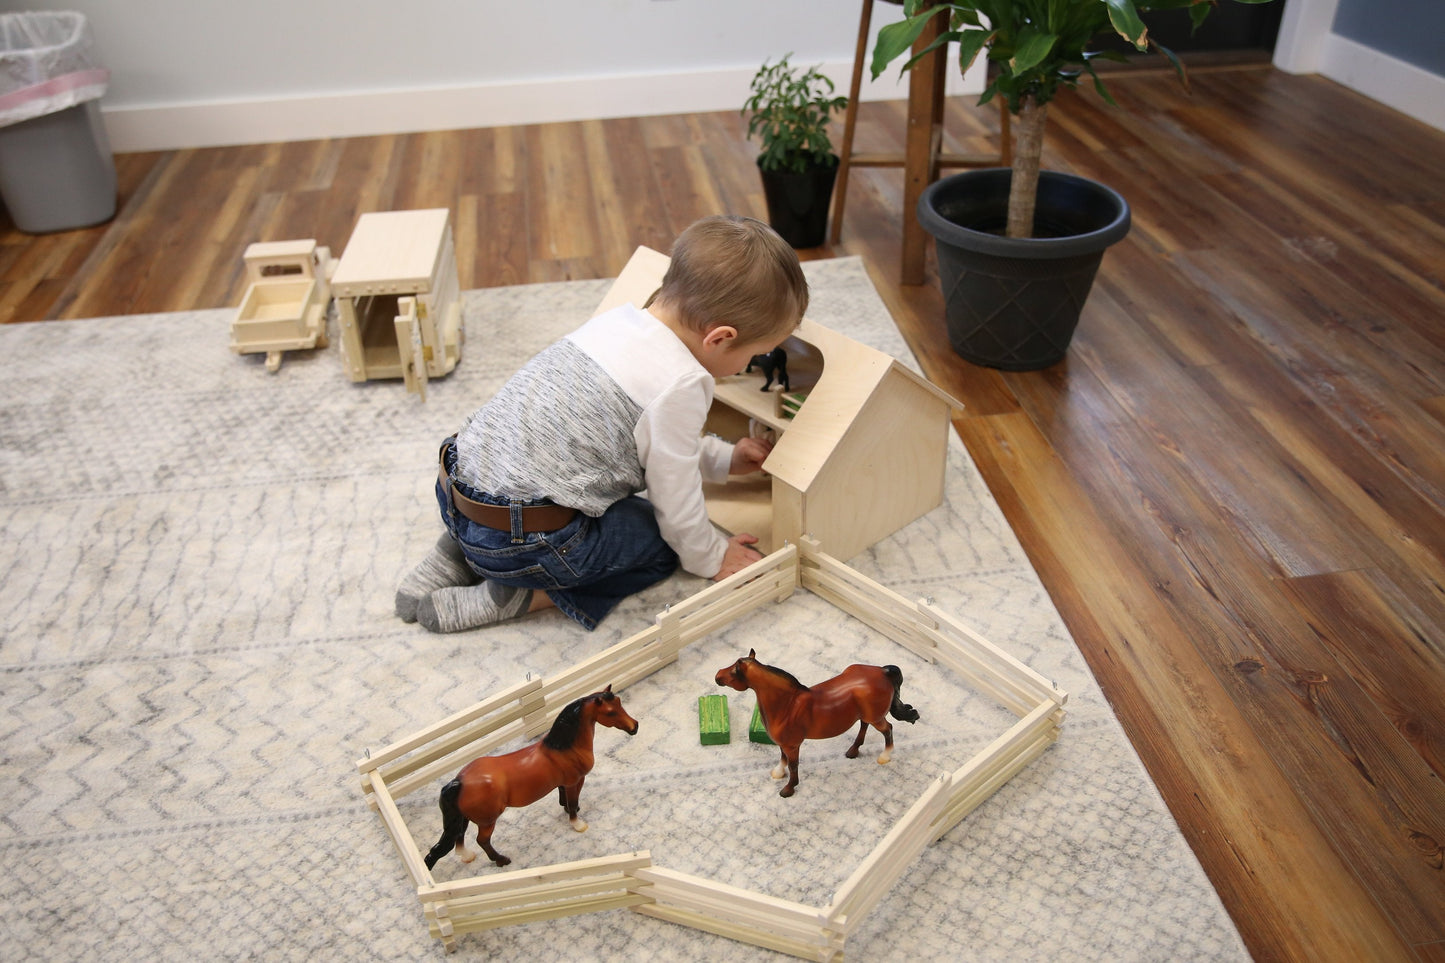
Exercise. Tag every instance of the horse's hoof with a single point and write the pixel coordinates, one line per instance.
(786, 791)
(779, 773)
(884, 759)
(467, 855)
(579, 824)
(851, 753)
(503, 860)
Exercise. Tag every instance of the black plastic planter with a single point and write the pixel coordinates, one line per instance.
(798, 203)
(1013, 303)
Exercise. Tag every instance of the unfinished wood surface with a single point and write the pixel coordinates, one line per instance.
(524, 896)
(392, 252)
(380, 794)
(887, 471)
(1232, 488)
(722, 901)
(871, 881)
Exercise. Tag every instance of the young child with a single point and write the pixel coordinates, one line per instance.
(539, 489)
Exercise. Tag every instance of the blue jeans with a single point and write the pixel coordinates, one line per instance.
(586, 567)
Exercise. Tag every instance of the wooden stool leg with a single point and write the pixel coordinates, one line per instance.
(850, 119)
(935, 140)
(920, 168)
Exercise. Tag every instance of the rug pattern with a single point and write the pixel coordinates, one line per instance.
(197, 641)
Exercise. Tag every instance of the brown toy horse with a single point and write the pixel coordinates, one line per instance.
(487, 787)
(792, 712)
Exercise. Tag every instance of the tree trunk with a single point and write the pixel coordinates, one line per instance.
(1027, 150)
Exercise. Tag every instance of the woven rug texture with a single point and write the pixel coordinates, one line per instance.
(197, 642)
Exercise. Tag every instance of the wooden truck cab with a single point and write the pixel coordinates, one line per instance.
(284, 308)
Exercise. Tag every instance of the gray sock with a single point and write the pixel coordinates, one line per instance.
(442, 568)
(470, 607)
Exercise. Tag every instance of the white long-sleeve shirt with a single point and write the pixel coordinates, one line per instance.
(614, 408)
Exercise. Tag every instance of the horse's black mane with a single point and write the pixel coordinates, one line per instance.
(563, 734)
(782, 672)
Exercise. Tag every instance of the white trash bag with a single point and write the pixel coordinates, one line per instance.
(47, 64)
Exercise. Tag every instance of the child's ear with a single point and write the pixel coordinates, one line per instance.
(720, 336)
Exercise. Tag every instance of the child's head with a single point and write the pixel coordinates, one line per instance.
(735, 271)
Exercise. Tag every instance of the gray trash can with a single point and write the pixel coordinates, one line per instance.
(56, 168)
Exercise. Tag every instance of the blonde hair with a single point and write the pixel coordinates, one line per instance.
(734, 270)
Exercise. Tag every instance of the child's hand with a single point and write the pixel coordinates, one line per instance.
(739, 555)
(748, 456)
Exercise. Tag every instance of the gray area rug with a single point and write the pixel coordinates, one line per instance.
(197, 643)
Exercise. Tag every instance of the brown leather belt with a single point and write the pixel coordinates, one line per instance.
(535, 518)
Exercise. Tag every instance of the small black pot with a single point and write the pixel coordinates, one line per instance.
(1013, 303)
(798, 203)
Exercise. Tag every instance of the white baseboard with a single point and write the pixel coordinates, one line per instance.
(220, 123)
(1394, 83)
(1302, 33)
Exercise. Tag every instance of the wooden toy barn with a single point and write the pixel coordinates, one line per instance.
(861, 441)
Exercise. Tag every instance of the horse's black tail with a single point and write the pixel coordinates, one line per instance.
(454, 824)
(899, 710)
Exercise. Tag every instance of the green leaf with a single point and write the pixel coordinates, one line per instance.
(1117, 56)
(1178, 64)
(964, 17)
(1126, 21)
(1099, 87)
(1033, 47)
(942, 40)
(970, 42)
(895, 38)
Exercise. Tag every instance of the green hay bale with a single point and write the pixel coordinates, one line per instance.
(713, 726)
(757, 732)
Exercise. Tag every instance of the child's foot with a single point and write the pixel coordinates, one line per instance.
(470, 607)
(443, 568)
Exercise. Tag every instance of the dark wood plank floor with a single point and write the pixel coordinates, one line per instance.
(1234, 488)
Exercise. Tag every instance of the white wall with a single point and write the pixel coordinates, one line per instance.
(189, 73)
(1308, 44)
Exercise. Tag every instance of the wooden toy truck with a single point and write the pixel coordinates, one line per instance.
(398, 298)
(284, 308)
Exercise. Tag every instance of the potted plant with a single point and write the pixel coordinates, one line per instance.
(788, 113)
(1002, 233)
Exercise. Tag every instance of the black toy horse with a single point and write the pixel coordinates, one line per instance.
(774, 362)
